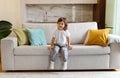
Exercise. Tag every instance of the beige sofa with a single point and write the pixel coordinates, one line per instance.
(81, 57)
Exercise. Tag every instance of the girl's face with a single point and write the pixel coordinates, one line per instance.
(60, 25)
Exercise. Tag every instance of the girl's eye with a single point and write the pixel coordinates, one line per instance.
(62, 24)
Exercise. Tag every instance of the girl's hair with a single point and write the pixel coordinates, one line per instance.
(62, 19)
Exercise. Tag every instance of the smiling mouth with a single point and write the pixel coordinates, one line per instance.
(60, 26)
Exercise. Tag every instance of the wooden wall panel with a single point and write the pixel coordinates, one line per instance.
(99, 13)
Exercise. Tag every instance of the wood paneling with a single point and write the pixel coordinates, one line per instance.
(61, 1)
(98, 9)
(99, 13)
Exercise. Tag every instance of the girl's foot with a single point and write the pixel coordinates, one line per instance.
(65, 66)
(51, 65)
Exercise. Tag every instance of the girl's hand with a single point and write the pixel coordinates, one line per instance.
(50, 48)
(69, 47)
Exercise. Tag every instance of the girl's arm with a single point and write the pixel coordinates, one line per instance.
(69, 45)
(52, 42)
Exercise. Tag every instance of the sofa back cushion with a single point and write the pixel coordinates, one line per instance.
(78, 31)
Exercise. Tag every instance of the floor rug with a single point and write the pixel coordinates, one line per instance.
(89, 74)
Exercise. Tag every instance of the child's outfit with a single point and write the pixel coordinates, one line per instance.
(60, 46)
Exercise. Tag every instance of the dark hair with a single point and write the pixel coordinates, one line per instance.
(64, 20)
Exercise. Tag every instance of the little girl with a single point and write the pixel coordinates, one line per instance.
(60, 43)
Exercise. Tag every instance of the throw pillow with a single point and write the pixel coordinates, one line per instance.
(97, 37)
(21, 35)
(36, 37)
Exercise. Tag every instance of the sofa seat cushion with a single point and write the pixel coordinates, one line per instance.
(31, 50)
(88, 49)
(76, 50)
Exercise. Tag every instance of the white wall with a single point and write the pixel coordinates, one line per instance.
(10, 11)
(116, 29)
(110, 13)
(113, 15)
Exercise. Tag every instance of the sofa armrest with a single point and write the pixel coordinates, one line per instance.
(113, 39)
(115, 56)
(7, 57)
(114, 42)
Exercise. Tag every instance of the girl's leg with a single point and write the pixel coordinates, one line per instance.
(54, 53)
(64, 51)
(53, 56)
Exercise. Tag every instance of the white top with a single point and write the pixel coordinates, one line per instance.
(61, 36)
